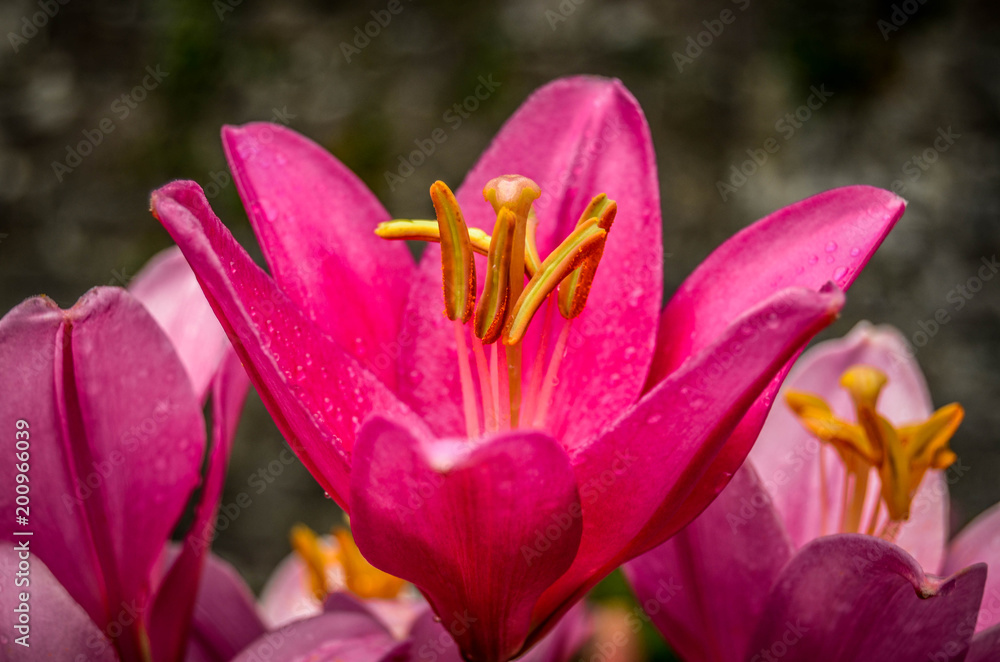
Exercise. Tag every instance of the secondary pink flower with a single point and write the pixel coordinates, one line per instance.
(776, 565)
(351, 630)
(116, 439)
(627, 421)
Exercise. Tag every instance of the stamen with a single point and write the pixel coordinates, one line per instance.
(457, 262)
(485, 388)
(362, 578)
(312, 551)
(551, 376)
(465, 377)
(900, 455)
(497, 284)
(424, 230)
(575, 288)
(578, 246)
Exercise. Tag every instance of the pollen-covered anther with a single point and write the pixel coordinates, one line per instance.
(490, 313)
(362, 578)
(579, 247)
(458, 264)
(316, 555)
(575, 289)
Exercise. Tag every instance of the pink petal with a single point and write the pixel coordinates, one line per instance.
(166, 286)
(828, 236)
(225, 617)
(633, 478)
(789, 458)
(429, 640)
(59, 628)
(175, 599)
(979, 542)
(317, 393)
(855, 597)
(315, 221)
(985, 647)
(122, 447)
(481, 528)
(705, 588)
(576, 137)
(329, 637)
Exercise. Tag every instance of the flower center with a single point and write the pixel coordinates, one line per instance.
(329, 564)
(899, 455)
(507, 303)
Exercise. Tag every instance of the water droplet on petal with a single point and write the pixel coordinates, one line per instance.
(839, 273)
(654, 419)
(830, 259)
(831, 247)
(855, 251)
(813, 259)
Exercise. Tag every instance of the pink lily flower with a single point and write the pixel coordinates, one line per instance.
(107, 399)
(504, 493)
(786, 564)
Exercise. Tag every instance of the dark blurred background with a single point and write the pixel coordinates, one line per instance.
(894, 77)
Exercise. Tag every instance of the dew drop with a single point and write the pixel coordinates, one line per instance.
(855, 251)
(831, 247)
(813, 259)
(839, 273)
(654, 419)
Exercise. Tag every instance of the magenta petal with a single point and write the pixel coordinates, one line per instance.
(315, 221)
(830, 236)
(225, 619)
(329, 637)
(482, 528)
(979, 542)
(576, 137)
(632, 477)
(176, 595)
(59, 628)
(168, 289)
(710, 581)
(851, 597)
(565, 639)
(985, 645)
(316, 392)
(119, 439)
(31, 354)
(788, 457)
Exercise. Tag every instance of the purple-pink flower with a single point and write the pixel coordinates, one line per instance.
(504, 479)
(818, 550)
(108, 398)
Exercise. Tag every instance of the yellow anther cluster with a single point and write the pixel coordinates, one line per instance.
(320, 555)
(900, 454)
(507, 305)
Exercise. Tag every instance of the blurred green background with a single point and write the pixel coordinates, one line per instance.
(896, 76)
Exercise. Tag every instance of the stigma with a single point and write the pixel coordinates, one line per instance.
(899, 455)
